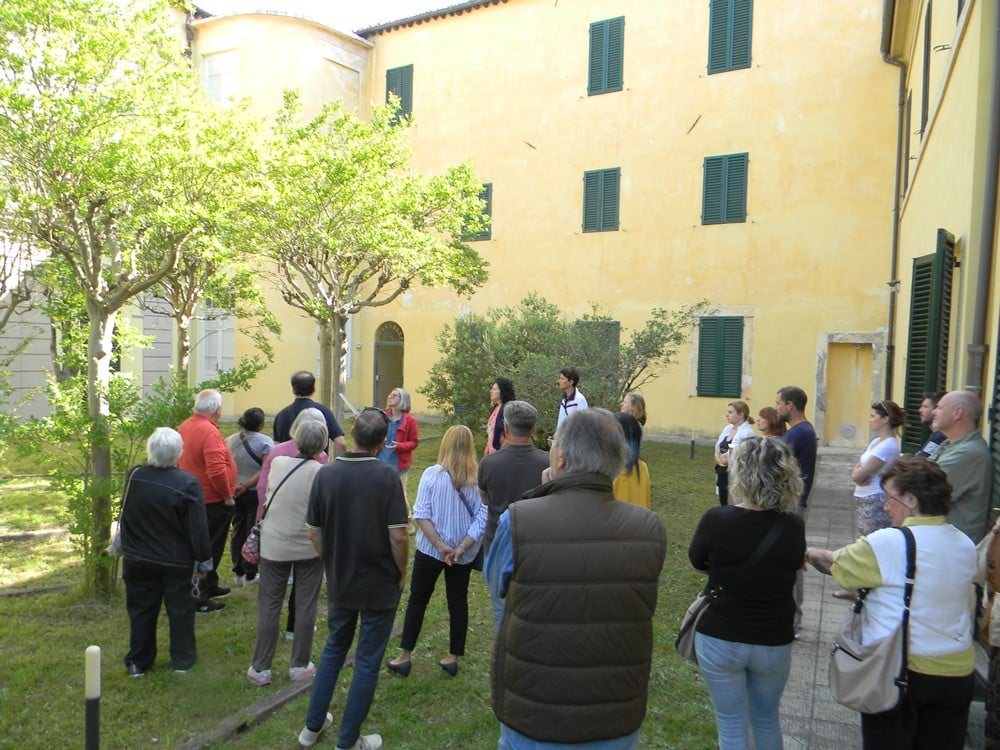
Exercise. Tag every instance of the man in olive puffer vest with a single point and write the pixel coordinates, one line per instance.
(579, 571)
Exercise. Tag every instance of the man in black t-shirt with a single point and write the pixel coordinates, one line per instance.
(303, 387)
(357, 521)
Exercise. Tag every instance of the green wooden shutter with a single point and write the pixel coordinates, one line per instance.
(609, 199)
(600, 199)
(616, 53)
(592, 182)
(927, 341)
(712, 192)
(742, 28)
(597, 74)
(400, 82)
(718, 36)
(735, 201)
(607, 47)
(485, 195)
(720, 356)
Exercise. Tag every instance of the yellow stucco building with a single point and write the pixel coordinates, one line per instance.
(946, 329)
(638, 155)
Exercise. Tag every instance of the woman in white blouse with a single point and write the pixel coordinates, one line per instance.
(451, 519)
(869, 497)
(737, 429)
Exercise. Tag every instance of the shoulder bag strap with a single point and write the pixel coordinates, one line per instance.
(911, 571)
(767, 542)
(246, 445)
(284, 479)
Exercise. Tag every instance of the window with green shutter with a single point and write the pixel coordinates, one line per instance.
(607, 50)
(600, 200)
(399, 81)
(486, 196)
(730, 26)
(720, 356)
(927, 344)
(724, 198)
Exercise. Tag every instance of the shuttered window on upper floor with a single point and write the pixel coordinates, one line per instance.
(607, 51)
(720, 356)
(486, 196)
(730, 27)
(399, 81)
(724, 198)
(600, 199)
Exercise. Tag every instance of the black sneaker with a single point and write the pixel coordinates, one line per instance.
(221, 592)
(208, 607)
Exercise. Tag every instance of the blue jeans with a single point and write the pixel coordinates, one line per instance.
(745, 681)
(512, 740)
(376, 627)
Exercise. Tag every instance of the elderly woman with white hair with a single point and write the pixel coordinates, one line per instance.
(285, 548)
(288, 448)
(165, 542)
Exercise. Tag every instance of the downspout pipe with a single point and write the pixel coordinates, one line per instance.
(902, 162)
(977, 348)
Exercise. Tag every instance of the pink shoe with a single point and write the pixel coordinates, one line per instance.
(302, 673)
(259, 678)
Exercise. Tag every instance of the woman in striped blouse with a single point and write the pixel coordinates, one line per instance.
(451, 519)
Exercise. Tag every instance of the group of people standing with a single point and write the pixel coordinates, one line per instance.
(558, 581)
(754, 552)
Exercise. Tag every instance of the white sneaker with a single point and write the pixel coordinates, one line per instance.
(365, 742)
(307, 737)
(240, 581)
(259, 678)
(302, 673)
(289, 635)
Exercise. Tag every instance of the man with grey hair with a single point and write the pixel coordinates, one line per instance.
(579, 572)
(208, 458)
(965, 458)
(506, 475)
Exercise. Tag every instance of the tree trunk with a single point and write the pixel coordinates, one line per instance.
(182, 347)
(332, 353)
(99, 348)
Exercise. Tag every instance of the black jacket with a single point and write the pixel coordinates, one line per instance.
(163, 520)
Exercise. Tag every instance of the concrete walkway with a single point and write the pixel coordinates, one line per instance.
(810, 718)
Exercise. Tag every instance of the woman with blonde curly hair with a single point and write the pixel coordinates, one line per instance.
(751, 552)
(451, 518)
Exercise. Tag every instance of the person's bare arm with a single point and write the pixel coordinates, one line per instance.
(863, 472)
(317, 540)
(339, 446)
(399, 539)
(821, 559)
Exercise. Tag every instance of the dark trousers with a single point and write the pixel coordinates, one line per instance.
(933, 716)
(219, 516)
(722, 482)
(993, 702)
(426, 570)
(147, 585)
(244, 517)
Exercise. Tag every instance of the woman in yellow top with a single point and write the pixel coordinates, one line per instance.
(935, 710)
(632, 485)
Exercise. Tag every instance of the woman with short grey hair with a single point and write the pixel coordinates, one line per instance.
(285, 549)
(751, 552)
(164, 540)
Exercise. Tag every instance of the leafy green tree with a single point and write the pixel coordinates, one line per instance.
(112, 163)
(350, 226)
(209, 283)
(529, 343)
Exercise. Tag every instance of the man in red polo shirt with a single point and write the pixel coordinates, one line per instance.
(207, 457)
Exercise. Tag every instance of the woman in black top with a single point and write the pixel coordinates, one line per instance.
(751, 552)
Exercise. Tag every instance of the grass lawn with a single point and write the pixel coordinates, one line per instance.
(44, 637)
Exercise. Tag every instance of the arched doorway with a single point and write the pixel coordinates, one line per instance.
(388, 361)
